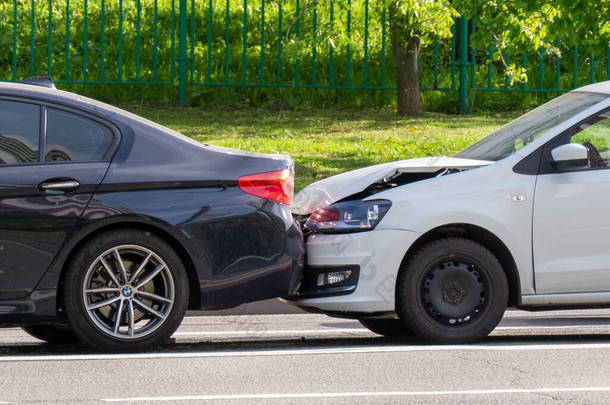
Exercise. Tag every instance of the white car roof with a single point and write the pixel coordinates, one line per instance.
(601, 87)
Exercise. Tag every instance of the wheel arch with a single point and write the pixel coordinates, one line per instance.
(193, 279)
(482, 236)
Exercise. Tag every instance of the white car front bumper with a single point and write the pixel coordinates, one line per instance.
(378, 253)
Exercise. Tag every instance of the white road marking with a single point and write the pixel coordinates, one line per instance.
(537, 327)
(297, 332)
(255, 332)
(360, 394)
(314, 351)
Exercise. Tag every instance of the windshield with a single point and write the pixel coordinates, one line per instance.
(525, 129)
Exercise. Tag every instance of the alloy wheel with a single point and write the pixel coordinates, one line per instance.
(128, 292)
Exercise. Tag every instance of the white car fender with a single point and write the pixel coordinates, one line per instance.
(504, 208)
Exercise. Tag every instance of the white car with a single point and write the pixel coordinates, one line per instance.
(439, 247)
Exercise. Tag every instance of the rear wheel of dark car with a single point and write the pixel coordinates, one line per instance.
(125, 290)
(53, 334)
(452, 290)
(389, 327)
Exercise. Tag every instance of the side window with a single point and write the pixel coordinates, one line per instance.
(74, 138)
(19, 132)
(594, 134)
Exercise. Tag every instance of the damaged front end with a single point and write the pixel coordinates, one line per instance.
(364, 182)
(341, 205)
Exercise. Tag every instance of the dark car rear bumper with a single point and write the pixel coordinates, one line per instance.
(280, 277)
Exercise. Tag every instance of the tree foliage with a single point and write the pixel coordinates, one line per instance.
(513, 25)
(421, 18)
(529, 25)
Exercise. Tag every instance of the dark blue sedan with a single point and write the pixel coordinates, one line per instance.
(111, 226)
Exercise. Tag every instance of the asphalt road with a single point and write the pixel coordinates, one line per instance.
(531, 358)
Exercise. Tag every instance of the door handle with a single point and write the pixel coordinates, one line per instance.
(65, 186)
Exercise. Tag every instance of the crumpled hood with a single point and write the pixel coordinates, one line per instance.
(335, 188)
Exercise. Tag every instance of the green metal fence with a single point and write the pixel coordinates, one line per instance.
(90, 41)
(275, 44)
(336, 44)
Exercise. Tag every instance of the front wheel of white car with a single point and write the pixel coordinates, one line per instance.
(452, 290)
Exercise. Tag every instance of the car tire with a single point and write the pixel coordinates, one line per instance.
(388, 327)
(53, 334)
(134, 274)
(452, 290)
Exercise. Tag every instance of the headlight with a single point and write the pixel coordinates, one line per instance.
(349, 216)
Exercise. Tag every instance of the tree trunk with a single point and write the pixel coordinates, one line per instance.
(406, 51)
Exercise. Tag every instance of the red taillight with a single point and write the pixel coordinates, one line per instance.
(276, 186)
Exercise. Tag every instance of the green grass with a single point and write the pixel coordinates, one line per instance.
(326, 142)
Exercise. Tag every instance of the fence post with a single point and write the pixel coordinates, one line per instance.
(182, 59)
(463, 65)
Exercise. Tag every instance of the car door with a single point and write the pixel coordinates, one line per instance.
(571, 223)
(51, 162)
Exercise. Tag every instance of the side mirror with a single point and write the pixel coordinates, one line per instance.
(572, 156)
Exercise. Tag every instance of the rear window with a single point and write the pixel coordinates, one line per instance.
(73, 138)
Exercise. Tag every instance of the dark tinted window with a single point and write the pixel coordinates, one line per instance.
(19, 132)
(74, 138)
